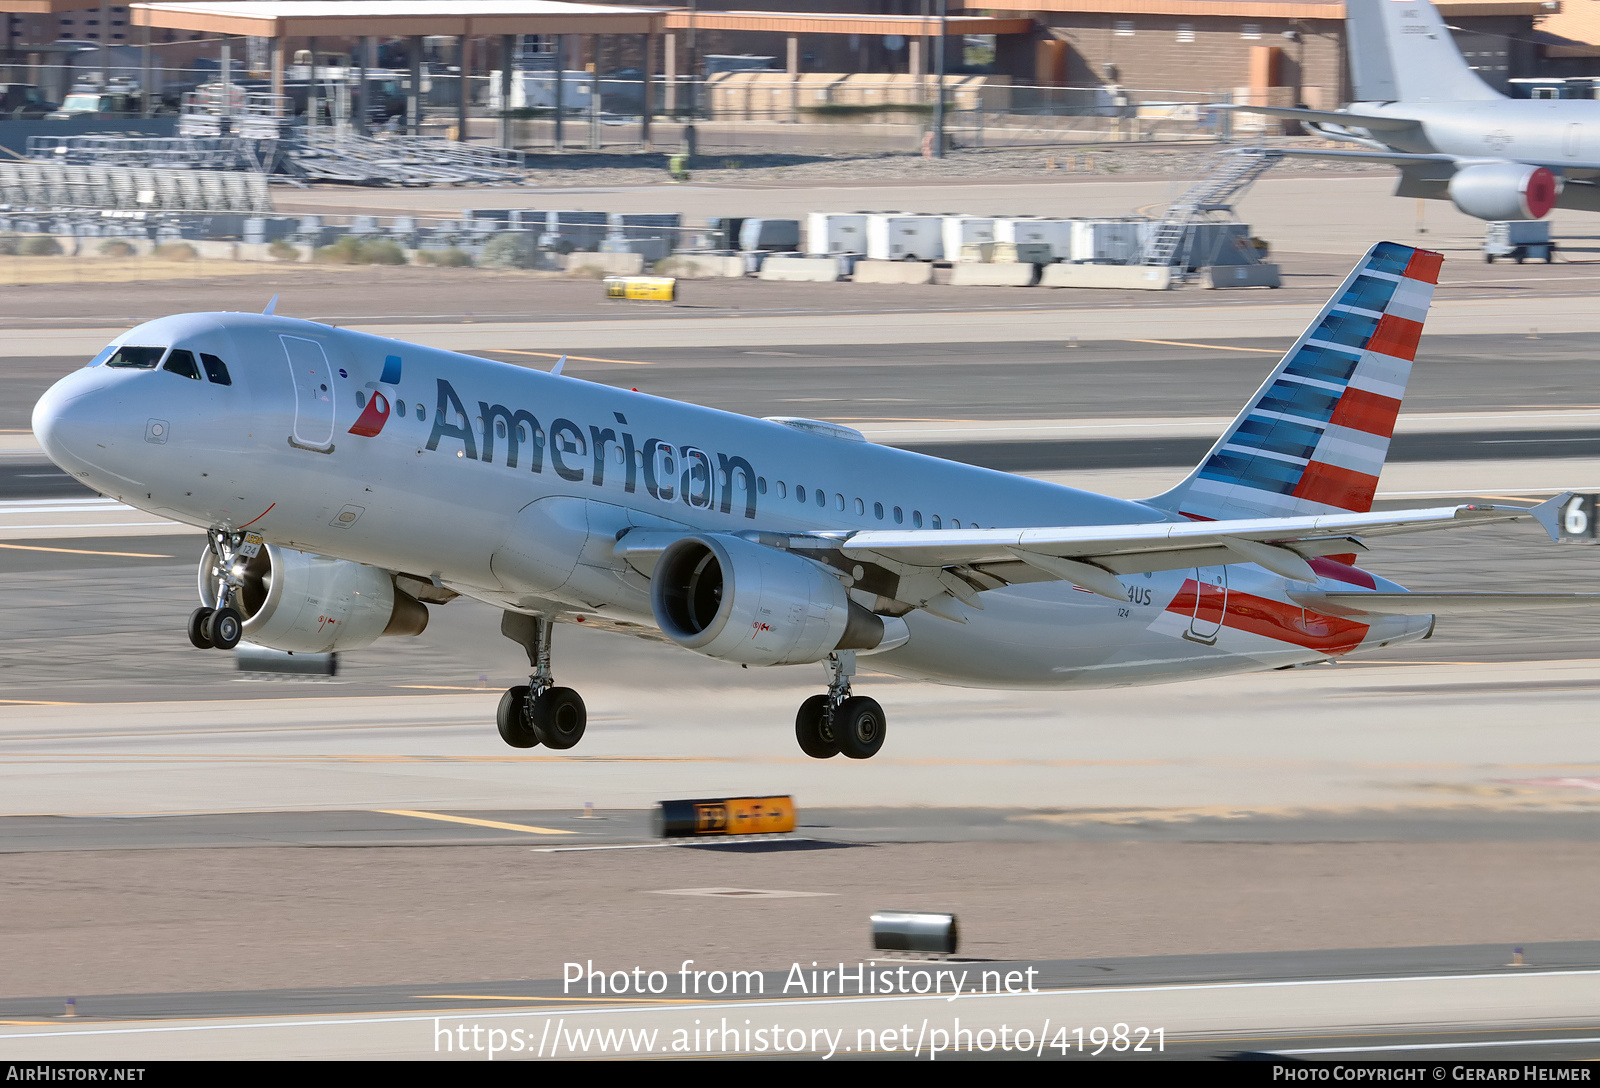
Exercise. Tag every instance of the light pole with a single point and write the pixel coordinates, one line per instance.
(938, 88)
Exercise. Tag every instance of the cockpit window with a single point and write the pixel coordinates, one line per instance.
(105, 353)
(136, 358)
(216, 369)
(182, 362)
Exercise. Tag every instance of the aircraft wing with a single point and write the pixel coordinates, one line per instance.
(1330, 117)
(1403, 158)
(1393, 158)
(1092, 555)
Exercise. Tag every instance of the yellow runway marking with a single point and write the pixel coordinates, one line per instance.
(34, 702)
(476, 823)
(85, 551)
(1213, 347)
(573, 358)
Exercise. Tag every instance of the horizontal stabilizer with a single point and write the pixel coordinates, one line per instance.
(1439, 604)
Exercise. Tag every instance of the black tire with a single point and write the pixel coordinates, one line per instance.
(516, 728)
(813, 730)
(859, 724)
(198, 619)
(1488, 258)
(559, 718)
(223, 628)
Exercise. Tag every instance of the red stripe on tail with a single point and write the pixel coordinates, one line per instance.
(1361, 410)
(1337, 487)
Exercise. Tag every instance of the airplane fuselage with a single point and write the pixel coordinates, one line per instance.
(513, 486)
(1550, 132)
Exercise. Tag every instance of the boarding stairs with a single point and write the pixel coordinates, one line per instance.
(1209, 199)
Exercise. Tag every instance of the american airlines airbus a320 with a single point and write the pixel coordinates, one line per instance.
(348, 482)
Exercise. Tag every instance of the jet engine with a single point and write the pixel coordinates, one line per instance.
(729, 598)
(1505, 190)
(305, 603)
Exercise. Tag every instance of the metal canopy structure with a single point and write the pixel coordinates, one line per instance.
(358, 18)
(788, 22)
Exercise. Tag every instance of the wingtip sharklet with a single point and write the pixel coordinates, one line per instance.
(1548, 513)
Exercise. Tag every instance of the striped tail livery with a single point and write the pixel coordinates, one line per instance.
(1314, 437)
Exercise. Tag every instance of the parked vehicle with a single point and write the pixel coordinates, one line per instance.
(23, 101)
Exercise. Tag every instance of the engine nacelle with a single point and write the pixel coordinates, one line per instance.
(1500, 191)
(729, 598)
(305, 603)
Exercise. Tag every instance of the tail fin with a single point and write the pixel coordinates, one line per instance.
(1314, 437)
(1401, 51)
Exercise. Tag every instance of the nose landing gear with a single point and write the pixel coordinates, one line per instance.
(838, 721)
(538, 712)
(220, 628)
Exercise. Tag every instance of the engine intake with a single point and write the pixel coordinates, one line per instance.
(734, 600)
(306, 603)
(1499, 191)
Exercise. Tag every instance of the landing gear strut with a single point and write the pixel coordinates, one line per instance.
(221, 627)
(538, 712)
(838, 721)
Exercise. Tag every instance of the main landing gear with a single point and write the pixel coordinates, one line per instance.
(538, 712)
(220, 628)
(838, 721)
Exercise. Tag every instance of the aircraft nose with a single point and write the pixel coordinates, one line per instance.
(60, 422)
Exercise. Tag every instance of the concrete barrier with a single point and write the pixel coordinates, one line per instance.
(972, 274)
(700, 266)
(913, 272)
(1240, 275)
(611, 264)
(799, 269)
(1126, 277)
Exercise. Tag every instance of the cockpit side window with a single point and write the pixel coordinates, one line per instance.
(182, 362)
(216, 369)
(136, 358)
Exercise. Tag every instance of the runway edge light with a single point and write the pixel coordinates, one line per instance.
(915, 931)
(724, 816)
(253, 658)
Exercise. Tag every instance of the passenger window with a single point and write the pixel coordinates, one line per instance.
(861, 508)
(877, 510)
(400, 407)
(799, 493)
(936, 523)
(783, 490)
(899, 518)
(955, 523)
(761, 485)
(422, 413)
(361, 399)
(822, 498)
(916, 518)
(216, 369)
(182, 362)
(136, 358)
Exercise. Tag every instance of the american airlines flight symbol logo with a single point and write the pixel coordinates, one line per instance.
(373, 416)
(376, 412)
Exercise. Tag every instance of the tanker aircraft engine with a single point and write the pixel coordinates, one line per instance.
(348, 481)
